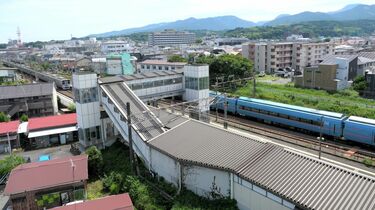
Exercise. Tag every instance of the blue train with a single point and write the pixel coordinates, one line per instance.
(336, 125)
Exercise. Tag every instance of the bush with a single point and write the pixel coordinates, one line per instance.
(9, 163)
(95, 159)
(24, 118)
(72, 107)
(4, 117)
(113, 183)
(189, 200)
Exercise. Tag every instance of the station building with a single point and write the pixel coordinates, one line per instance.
(210, 160)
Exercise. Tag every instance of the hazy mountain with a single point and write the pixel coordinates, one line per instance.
(349, 12)
(212, 23)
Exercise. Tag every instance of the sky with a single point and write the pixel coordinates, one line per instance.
(60, 19)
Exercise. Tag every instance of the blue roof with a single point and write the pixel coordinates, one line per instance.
(298, 108)
(44, 158)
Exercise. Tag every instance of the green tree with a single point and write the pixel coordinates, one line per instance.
(9, 163)
(226, 65)
(176, 58)
(95, 160)
(4, 117)
(198, 41)
(24, 118)
(360, 84)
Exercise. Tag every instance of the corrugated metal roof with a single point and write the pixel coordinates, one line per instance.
(308, 182)
(331, 59)
(200, 143)
(168, 119)
(142, 118)
(47, 174)
(29, 90)
(113, 202)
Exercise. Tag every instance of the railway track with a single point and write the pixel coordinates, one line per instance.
(66, 93)
(292, 137)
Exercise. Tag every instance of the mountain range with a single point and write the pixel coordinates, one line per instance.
(349, 12)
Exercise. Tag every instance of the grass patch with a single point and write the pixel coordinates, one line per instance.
(95, 190)
(347, 101)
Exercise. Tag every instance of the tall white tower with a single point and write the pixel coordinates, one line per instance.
(197, 87)
(85, 90)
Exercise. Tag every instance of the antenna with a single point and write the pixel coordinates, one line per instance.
(19, 42)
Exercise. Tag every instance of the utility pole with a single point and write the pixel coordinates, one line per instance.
(225, 111)
(254, 84)
(130, 137)
(320, 137)
(10, 146)
(216, 103)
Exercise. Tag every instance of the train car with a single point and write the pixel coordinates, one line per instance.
(360, 130)
(60, 81)
(219, 102)
(292, 116)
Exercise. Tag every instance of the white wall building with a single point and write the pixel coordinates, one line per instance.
(170, 38)
(115, 47)
(158, 65)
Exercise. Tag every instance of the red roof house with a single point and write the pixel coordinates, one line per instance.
(52, 121)
(29, 182)
(114, 202)
(9, 127)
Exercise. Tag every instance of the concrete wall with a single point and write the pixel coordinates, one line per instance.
(165, 166)
(202, 180)
(248, 199)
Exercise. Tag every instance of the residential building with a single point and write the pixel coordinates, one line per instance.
(9, 135)
(366, 61)
(52, 130)
(34, 100)
(7, 74)
(112, 202)
(38, 132)
(115, 47)
(248, 51)
(122, 64)
(48, 184)
(230, 41)
(171, 38)
(98, 65)
(331, 74)
(158, 65)
(310, 54)
(269, 57)
(83, 63)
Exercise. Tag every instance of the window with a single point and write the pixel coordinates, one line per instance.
(203, 83)
(160, 67)
(137, 86)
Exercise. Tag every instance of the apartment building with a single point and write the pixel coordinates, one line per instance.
(248, 51)
(271, 56)
(310, 54)
(170, 38)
